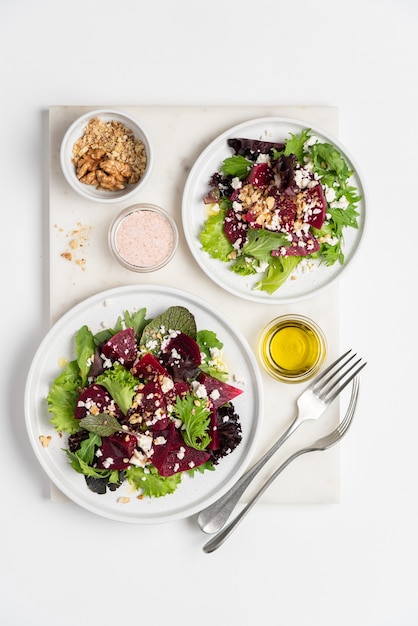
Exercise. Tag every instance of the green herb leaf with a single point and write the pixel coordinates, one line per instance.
(294, 145)
(195, 415)
(102, 424)
(260, 244)
(85, 347)
(174, 318)
(236, 165)
(88, 447)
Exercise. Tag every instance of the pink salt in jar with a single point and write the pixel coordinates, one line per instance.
(143, 238)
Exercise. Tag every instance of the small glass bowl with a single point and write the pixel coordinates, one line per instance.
(143, 238)
(292, 348)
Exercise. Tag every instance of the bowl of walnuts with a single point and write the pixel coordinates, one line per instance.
(106, 156)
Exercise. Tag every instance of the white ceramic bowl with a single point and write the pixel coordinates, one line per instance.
(76, 130)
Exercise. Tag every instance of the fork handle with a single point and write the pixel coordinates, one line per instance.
(216, 514)
(223, 535)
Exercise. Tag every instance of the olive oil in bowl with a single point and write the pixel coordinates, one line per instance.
(292, 348)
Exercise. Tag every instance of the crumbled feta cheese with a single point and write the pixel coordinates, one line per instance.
(199, 389)
(236, 183)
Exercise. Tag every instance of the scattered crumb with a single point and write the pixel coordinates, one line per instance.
(45, 440)
(78, 240)
(124, 500)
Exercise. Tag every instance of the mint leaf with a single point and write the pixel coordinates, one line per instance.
(121, 385)
(236, 165)
(102, 425)
(62, 399)
(195, 415)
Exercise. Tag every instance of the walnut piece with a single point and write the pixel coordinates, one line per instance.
(108, 156)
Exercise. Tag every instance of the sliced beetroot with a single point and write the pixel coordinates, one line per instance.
(94, 400)
(315, 198)
(218, 392)
(174, 455)
(182, 357)
(149, 368)
(122, 348)
(234, 228)
(260, 175)
(186, 346)
(115, 451)
(301, 245)
(150, 408)
(178, 390)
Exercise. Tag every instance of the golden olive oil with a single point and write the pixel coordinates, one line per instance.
(292, 348)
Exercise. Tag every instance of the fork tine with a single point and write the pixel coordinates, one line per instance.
(327, 370)
(338, 388)
(348, 418)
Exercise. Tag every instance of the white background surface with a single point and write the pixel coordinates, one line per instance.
(351, 563)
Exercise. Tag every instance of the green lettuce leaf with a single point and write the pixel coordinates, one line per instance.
(207, 340)
(121, 385)
(84, 347)
(278, 272)
(62, 399)
(213, 238)
(150, 482)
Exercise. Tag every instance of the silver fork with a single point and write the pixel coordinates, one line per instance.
(310, 405)
(321, 444)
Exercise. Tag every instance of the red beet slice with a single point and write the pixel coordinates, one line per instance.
(115, 451)
(149, 368)
(174, 455)
(96, 399)
(316, 215)
(260, 175)
(152, 406)
(219, 392)
(301, 245)
(122, 348)
(234, 228)
(186, 347)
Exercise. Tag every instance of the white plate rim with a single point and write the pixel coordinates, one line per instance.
(37, 419)
(193, 214)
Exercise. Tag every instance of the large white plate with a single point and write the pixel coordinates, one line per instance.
(102, 310)
(194, 214)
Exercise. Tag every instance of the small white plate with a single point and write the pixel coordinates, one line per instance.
(194, 214)
(102, 310)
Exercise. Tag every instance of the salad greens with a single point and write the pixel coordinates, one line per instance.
(273, 206)
(145, 402)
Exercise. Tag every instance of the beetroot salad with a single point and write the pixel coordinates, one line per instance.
(146, 401)
(274, 206)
